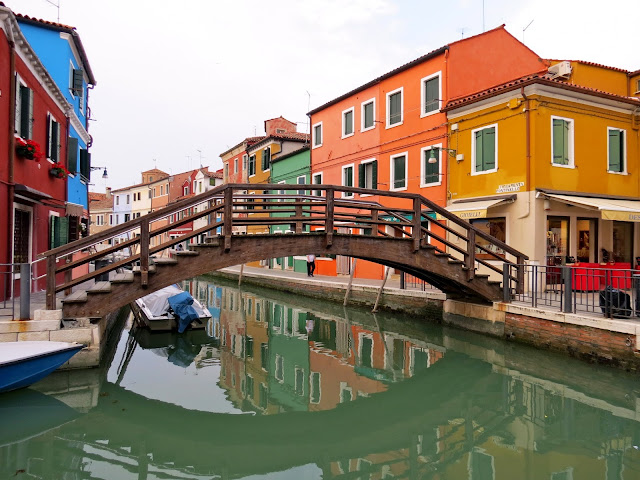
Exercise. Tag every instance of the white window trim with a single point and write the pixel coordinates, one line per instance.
(571, 144)
(321, 180)
(473, 150)
(344, 387)
(71, 79)
(254, 165)
(235, 165)
(406, 172)
(362, 336)
(313, 134)
(365, 162)
(353, 178)
(388, 110)
(245, 162)
(353, 122)
(422, 166)
(624, 154)
(295, 379)
(423, 99)
(362, 105)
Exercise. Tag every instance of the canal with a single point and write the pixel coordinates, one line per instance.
(284, 387)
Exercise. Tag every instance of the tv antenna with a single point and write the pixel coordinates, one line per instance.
(57, 5)
(523, 30)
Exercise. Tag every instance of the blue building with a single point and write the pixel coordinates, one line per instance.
(61, 52)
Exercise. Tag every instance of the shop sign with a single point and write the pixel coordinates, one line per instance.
(510, 187)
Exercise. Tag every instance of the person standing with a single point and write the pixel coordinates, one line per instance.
(311, 265)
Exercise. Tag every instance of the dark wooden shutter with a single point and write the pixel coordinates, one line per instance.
(374, 175)
(72, 154)
(48, 135)
(361, 176)
(85, 163)
(25, 104)
(55, 152)
(78, 77)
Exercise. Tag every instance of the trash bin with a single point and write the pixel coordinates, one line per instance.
(615, 303)
(103, 277)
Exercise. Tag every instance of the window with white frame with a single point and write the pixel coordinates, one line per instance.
(562, 142)
(279, 373)
(430, 94)
(185, 190)
(368, 115)
(226, 172)
(301, 180)
(616, 151)
(317, 135)
(347, 123)
(24, 110)
(395, 114)
(368, 174)
(346, 392)
(281, 192)
(431, 166)
(484, 151)
(347, 179)
(245, 161)
(266, 159)
(128, 199)
(314, 387)
(399, 171)
(235, 165)
(252, 165)
(53, 140)
(299, 381)
(111, 219)
(117, 199)
(316, 179)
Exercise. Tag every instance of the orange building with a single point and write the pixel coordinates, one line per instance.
(390, 133)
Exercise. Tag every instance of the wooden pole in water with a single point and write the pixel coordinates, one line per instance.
(240, 276)
(386, 275)
(346, 294)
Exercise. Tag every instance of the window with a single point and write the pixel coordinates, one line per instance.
(127, 217)
(347, 123)
(245, 160)
(314, 387)
(117, 199)
(85, 163)
(128, 199)
(346, 392)
(58, 230)
(161, 189)
(53, 139)
(266, 159)
(299, 379)
(24, 110)
(264, 355)
(562, 142)
(252, 165)
(235, 165)
(347, 179)
(317, 135)
(368, 174)
(72, 154)
(638, 86)
(394, 108)
(368, 115)
(497, 228)
(430, 94)
(301, 181)
(316, 179)
(484, 149)
(481, 465)
(279, 374)
(399, 171)
(185, 190)
(431, 166)
(616, 159)
(76, 77)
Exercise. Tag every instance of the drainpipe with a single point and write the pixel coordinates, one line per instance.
(527, 141)
(12, 147)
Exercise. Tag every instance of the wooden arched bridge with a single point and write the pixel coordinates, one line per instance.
(397, 229)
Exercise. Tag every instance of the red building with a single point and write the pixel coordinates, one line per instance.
(33, 215)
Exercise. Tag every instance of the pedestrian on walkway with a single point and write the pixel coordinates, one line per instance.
(311, 264)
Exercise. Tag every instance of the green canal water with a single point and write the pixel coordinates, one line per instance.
(283, 387)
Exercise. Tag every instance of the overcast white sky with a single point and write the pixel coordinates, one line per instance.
(181, 80)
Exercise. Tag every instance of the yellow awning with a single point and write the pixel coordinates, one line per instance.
(610, 209)
(477, 209)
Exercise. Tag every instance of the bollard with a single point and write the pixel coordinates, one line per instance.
(25, 291)
(568, 290)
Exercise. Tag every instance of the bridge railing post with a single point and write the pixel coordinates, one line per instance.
(144, 251)
(471, 254)
(374, 223)
(506, 282)
(299, 222)
(51, 282)
(416, 234)
(328, 224)
(520, 274)
(227, 229)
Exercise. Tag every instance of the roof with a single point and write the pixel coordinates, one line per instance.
(216, 174)
(99, 201)
(155, 170)
(62, 28)
(402, 68)
(290, 154)
(592, 64)
(293, 137)
(248, 141)
(530, 80)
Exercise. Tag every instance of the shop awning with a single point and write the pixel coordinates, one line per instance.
(74, 210)
(31, 193)
(610, 209)
(477, 208)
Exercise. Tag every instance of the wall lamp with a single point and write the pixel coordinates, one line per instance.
(452, 153)
(104, 174)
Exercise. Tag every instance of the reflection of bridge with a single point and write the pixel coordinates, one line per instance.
(400, 232)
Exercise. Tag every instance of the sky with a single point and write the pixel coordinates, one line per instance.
(178, 83)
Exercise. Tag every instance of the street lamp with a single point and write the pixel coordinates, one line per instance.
(104, 174)
(432, 154)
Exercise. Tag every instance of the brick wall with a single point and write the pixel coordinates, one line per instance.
(587, 343)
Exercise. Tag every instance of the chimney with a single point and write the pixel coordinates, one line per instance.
(108, 191)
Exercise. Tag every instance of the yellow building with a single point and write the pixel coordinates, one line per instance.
(550, 166)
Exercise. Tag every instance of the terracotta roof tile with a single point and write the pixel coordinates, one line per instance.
(593, 64)
(248, 141)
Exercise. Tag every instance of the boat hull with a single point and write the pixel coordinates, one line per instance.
(23, 372)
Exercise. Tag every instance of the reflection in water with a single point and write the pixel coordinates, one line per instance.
(285, 387)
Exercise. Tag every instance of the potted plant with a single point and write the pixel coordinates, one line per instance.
(28, 149)
(58, 170)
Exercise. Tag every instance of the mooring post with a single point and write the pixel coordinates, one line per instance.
(144, 251)
(506, 282)
(348, 292)
(386, 275)
(240, 276)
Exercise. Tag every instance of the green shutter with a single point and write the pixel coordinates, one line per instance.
(489, 148)
(52, 231)
(431, 93)
(85, 163)
(615, 151)
(431, 170)
(560, 142)
(48, 126)
(479, 150)
(399, 174)
(395, 114)
(78, 77)
(30, 116)
(374, 175)
(72, 154)
(64, 231)
(361, 176)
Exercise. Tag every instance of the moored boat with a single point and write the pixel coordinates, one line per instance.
(24, 363)
(170, 308)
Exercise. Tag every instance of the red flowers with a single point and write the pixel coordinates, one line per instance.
(58, 170)
(28, 149)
